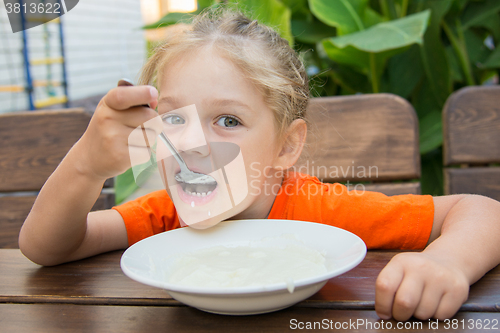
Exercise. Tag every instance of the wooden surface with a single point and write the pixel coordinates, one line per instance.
(99, 280)
(93, 295)
(33, 145)
(477, 180)
(471, 132)
(346, 133)
(389, 189)
(119, 319)
(471, 126)
(15, 209)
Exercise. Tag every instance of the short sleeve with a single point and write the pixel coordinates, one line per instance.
(383, 222)
(148, 215)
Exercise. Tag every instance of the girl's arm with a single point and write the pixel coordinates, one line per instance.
(464, 245)
(59, 227)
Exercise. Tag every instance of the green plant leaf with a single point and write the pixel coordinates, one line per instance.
(476, 50)
(367, 51)
(477, 12)
(352, 81)
(388, 9)
(357, 59)
(311, 32)
(269, 12)
(456, 73)
(494, 60)
(349, 55)
(202, 4)
(423, 101)
(124, 186)
(432, 173)
(345, 15)
(371, 18)
(387, 36)
(492, 24)
(433, 53)
(171, 18)
(405, 71)
(295, 5)
(431, 131)
(461, 4)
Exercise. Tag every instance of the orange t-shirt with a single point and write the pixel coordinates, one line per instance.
(383, 222)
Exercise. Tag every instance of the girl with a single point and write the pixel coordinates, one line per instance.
(246, 86)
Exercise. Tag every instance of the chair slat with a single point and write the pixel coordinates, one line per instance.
(479, 180)
(471, 126)
(34, 143)
(361, 138)
(394, 189)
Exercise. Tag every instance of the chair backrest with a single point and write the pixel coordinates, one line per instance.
(471, 133)
(371, 139)
(32, 145)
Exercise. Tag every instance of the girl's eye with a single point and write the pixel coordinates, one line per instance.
(174, 120)
(227, 121)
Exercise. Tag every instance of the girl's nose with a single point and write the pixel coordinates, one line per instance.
(192, 140)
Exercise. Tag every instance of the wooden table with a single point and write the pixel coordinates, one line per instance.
(94, 295)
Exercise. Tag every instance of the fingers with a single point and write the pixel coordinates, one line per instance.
(132, 102)
(431, 298)
(438, 299)
(386, 286)
(145, 134)
(123, 98)
(407, 298)
(112, 140)
(457, 292)
(412, 285)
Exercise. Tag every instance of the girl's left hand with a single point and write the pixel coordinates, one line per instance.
(416, 284)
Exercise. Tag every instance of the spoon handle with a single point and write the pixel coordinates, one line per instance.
(174, 152)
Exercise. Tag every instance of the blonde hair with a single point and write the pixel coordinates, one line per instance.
(257, 50)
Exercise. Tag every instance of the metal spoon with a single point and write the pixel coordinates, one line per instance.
(185, 175)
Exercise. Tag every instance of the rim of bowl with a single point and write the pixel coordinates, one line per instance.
(249, 289)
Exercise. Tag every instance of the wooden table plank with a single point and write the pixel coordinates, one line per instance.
(96, 280)
(99, 280)
(93, 318)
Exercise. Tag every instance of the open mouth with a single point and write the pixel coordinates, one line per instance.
(198, 190)
(197, 194)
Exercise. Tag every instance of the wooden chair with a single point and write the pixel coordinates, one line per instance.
(471, 133)
(371, 139)
(32, 145)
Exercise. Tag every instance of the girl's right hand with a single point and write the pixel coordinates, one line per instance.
(105, 148)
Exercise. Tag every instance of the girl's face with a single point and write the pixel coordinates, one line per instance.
(219, 122)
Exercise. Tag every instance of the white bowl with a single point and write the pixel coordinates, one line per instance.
(148, 262)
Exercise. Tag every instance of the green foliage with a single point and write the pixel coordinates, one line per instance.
(368, 50)
(270, 12)
(345, 15)
(421, 50)
(124, 186)
(273, 13)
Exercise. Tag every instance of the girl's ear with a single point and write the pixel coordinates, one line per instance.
(293, 144)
